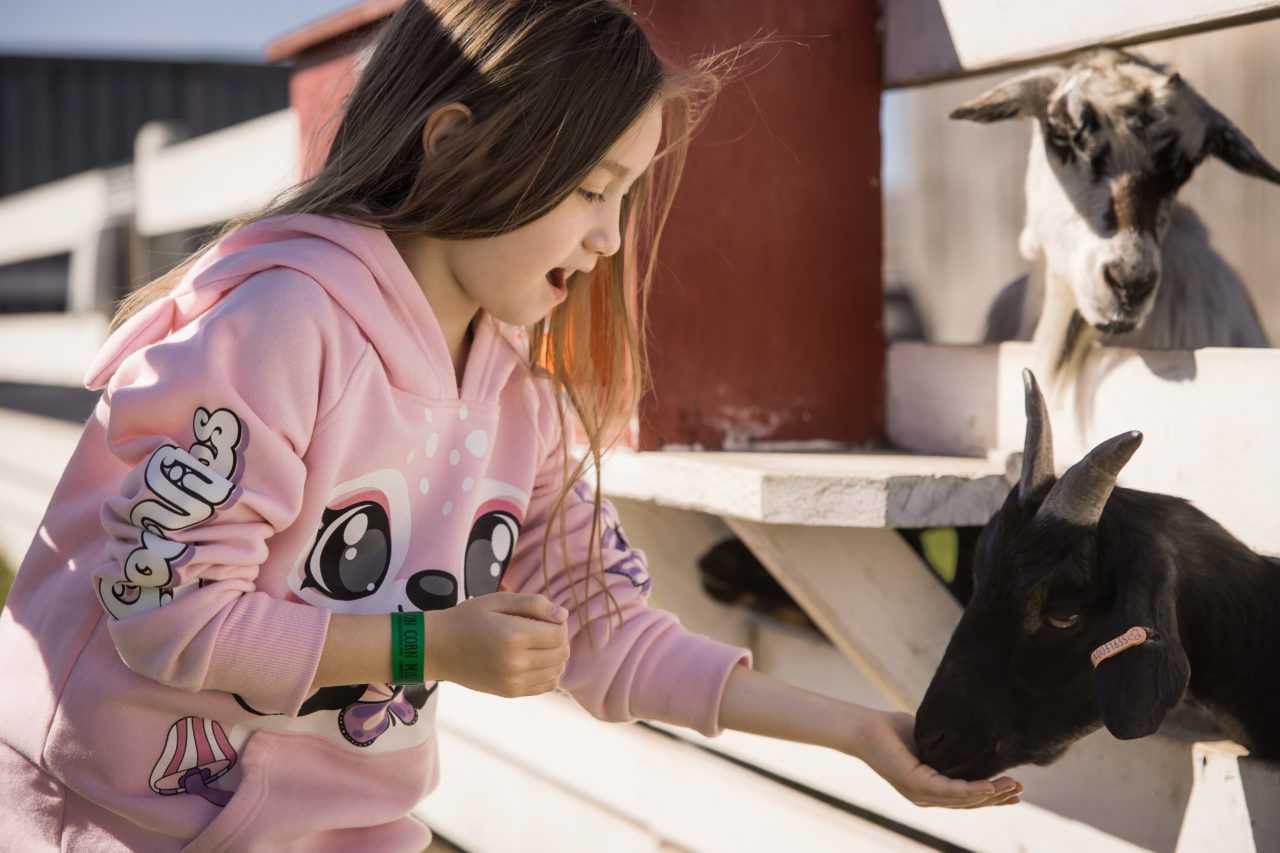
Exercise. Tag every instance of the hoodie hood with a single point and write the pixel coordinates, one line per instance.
(357, 265)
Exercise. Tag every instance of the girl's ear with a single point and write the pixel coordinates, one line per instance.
(443, 125)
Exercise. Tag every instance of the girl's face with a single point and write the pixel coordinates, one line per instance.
(519, 276)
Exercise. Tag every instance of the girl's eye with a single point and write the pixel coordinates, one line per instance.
(594, 198)
(1062, 620)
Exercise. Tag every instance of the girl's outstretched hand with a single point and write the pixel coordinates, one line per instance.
(505, 643)
(884, 741)
(754, 702)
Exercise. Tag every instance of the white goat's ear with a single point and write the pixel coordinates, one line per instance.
(1024, 96)
(1229, 144)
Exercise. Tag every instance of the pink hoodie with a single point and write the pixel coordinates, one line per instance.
(280, 438)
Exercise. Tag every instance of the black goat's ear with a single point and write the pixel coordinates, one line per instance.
(1023, 96)
(1136, 687)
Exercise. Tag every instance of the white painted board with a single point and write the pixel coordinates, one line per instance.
(1210, 419)
(927, 40)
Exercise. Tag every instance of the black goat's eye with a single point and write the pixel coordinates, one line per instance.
(1057, 139)
(1062, 620)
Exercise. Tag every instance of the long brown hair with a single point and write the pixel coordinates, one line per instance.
(551, 85)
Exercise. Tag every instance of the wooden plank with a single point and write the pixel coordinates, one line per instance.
(1108, 795)
(50, 349)
(1218, 811)
(211, 178)
(32, 456)
(1035, 826)
(869, 594)
(1208, 417)
(52, 218)
(929, 40)
(689, 798)
(574, 779)
(489, 803)
(860, 489)
(673, 540)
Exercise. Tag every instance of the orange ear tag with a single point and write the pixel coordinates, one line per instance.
(1135, 636)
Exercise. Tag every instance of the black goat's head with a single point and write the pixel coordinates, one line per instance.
(1016, 684)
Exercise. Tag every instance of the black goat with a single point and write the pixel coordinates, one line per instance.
(1165, 601)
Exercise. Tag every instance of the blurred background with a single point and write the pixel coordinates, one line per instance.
(127, 131)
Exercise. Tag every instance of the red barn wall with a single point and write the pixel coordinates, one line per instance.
(766, 313)
(767, 304)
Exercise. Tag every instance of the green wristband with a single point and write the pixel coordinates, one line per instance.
(407, 658)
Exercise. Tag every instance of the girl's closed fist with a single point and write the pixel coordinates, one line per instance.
(507, 644)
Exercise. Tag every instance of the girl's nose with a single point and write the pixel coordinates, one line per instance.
(605, 238)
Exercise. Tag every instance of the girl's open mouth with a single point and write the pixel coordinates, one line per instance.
(559, 282)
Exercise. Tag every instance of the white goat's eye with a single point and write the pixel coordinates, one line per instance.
(1062, 620)
(1057, 140)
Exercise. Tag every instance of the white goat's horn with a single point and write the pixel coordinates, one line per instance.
(1082, 491)
(1037, 448)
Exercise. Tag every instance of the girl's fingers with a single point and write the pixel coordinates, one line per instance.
(543, 681)
(529, 606)
(939, 790)
(548, 635)
(545, 659)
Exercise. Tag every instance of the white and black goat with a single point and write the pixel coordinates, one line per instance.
(1117, 259)
(1098, 604)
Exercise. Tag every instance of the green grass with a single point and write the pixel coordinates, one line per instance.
(6, 580)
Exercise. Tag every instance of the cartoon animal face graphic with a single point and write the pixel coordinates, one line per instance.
(352, 551)
(489, 550)
(358, 547)
(356, 561)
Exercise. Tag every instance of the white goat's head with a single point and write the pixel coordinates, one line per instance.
(1115, 138)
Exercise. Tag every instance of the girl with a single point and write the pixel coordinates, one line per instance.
(329, 470)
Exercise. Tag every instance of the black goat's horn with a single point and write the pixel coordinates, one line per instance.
(1082, 491)
(1037, 448)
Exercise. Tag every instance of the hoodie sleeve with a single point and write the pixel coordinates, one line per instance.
(627, 661)
(212, 422)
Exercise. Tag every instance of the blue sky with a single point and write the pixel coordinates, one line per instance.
(237, 30)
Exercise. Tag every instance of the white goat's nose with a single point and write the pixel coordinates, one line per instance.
(1131, 285)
